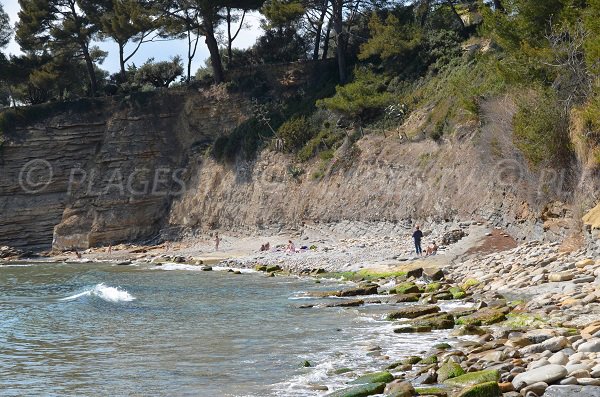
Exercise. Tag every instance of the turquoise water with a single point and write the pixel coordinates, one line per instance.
(100, 329)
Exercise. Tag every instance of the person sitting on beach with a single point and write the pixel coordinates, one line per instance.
(265, 247)
(432, 249)
(290, 247)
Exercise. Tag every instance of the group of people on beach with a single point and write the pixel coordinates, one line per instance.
(418, 236)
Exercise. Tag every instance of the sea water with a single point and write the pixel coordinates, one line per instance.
(172, 330)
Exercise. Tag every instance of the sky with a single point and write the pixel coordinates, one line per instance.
(160, 51)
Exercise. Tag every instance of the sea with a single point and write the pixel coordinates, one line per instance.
(89, 329)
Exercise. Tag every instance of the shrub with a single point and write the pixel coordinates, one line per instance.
(159, 74)
(364, 99)
(295, 132)
(540, 129)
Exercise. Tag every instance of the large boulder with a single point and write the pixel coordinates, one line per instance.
(547, 374)
(413, 311)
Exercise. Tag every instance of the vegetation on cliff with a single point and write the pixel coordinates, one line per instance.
(388, 58)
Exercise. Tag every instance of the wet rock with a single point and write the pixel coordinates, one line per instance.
(375, 377)
(468, 330)
(402, 298)
(440, 320)
(350, 303)
(206, 268)
(273, 268)
(413, 311)
(548, 374)
(368, 389)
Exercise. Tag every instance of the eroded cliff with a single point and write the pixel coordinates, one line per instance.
(139, 169)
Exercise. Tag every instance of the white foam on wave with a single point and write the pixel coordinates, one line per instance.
(104, 292)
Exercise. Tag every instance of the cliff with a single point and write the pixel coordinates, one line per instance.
(136, 169)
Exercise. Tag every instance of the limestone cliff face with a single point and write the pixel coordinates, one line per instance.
(133, 170)
(77, 180)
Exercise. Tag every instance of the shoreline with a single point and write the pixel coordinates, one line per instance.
(513, 300)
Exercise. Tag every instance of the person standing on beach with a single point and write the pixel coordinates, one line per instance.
(217, 241)
(417, 236)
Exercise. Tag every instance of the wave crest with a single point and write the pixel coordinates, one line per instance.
(104, 292)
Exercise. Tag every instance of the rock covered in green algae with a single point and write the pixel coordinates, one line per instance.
(366, 390)
(457, 293)
(375, 377)
(449, 370)
(413, 311)
(474, 378)
(488, 389)
(440, 320)
(406, 288)
(273, 268)
(431, 391)
(485, 316)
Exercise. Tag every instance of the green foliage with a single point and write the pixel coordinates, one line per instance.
(6, 30)
(540, 129)
(363, 99)
(390, 39)
(281, 12)
(324, 144)
(159, 74)
(295, 132)
(592, 43)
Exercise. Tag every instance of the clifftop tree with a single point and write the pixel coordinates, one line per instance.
(58, 27)
(5, 28)
(123, 21)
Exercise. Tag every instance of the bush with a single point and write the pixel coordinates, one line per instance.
(295, 133)
(159, 74)
(540, 129)
(363, 99)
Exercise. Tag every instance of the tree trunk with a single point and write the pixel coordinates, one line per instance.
(340, 38)
(215, 57)
(90, 69)
(326, 42)
(122, 62)
(229, 40)
(319, 31)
